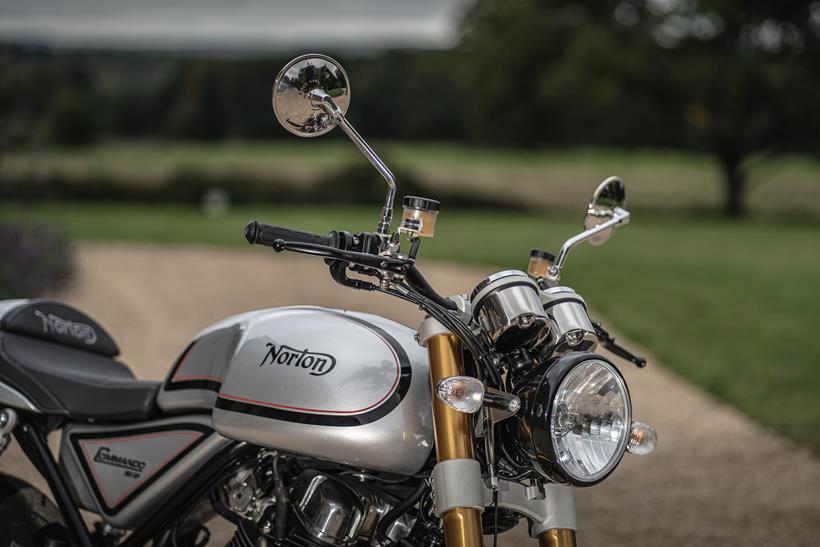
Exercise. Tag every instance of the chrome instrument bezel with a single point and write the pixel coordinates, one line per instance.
(508, 310)
(571, 327)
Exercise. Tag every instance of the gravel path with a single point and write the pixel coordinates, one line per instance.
(716, 479)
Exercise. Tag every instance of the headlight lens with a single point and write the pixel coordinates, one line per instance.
(590, 420)
(576, 425)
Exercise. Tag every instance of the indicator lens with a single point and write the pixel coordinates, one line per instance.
(642, 439)
(462, 393)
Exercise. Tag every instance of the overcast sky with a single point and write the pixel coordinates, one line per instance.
(231, 24)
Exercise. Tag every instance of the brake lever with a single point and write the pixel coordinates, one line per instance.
(609, 343)
(338, 271)
(387, 263)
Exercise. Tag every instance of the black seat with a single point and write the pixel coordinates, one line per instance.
(64, 362)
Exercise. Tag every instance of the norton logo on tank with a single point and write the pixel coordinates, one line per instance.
(314, 363)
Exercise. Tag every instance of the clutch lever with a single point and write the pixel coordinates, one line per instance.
(609, 343)
(387, 263)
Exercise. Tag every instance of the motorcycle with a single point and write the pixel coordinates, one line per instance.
(307, 426)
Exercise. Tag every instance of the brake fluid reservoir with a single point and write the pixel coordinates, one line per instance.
(419, 217)
(540, 262)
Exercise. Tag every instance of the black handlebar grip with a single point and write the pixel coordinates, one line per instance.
(265, 234)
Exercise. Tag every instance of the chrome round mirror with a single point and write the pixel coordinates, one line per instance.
(291, 94)
(609, 195)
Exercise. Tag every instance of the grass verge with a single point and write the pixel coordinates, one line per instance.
(539, 179)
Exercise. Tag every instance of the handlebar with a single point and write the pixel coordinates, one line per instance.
(336, 247)
(258, 233)
(367, 260)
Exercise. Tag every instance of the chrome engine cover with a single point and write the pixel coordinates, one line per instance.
(324, 509)
(342, 386)
(333, 513)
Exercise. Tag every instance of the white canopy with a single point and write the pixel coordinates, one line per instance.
(231, 25)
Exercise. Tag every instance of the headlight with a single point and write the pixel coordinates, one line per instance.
(577, 422)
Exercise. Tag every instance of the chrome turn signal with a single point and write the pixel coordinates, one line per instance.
(462, 393)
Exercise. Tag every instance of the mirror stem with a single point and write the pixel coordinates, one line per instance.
(326, 102)
(386, 217)
(621, 216)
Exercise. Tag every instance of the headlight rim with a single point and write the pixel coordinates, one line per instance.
(542, 447)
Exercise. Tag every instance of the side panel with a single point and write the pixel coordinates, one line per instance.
(123, 473)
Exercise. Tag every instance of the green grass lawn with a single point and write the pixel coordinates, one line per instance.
(732, 306)
(546, 179)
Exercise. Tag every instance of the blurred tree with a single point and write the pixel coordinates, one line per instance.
(407, 95)
(70, 119)
(196, 104)
(44, 97)
(729, 76)
(217, 98)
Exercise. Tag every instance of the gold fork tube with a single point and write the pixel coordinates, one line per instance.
(454, 438)
(557, 537)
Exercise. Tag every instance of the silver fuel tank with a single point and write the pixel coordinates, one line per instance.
(342, 386)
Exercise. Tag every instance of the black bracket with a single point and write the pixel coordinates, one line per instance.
(609, 343)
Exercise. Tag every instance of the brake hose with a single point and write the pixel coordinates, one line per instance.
(418, 282)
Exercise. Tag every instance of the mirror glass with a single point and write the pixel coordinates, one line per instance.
(291, 100)
(610, 194)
